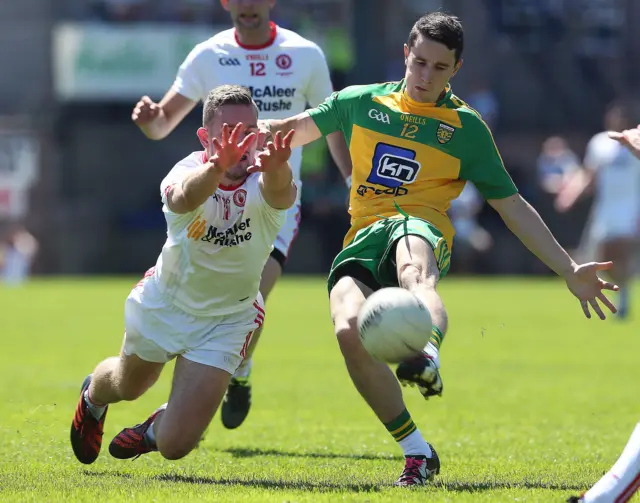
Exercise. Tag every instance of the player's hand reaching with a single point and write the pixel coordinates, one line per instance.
(630, 138)
(585, 284)
(229, 152)
(145, 111)
(275, 154)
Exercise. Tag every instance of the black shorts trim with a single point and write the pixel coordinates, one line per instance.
(356, 271)
(279, 257)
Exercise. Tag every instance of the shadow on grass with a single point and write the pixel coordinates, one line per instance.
(249, 453)
(329, 486)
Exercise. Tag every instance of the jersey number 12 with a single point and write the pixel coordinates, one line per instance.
(257, 70)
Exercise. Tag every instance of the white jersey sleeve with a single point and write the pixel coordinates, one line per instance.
(178, 174)
(320, 86)
(271, 215)
(599, 151)
(189, 80)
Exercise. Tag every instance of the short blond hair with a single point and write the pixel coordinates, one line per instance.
(228, 94)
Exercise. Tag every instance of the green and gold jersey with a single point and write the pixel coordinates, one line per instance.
(415, 155)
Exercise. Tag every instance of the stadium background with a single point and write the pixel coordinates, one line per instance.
(84, 180)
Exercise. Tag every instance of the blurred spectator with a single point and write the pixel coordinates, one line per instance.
(195, 11)
(556, 164)
(484, 100)
(16, 255)
(325, 206)
(121, 11)
(471, 238)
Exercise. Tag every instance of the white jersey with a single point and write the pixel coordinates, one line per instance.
(617, 172)
(616, 208)
(284, 75)
(212, 260)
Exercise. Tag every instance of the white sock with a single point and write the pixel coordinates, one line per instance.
(623, 480)
(415, 445)
(244, 369)
(150, 435)
(96, 410)
(433, 352)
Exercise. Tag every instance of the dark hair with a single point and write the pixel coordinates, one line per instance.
(225, 95)
(440, 27)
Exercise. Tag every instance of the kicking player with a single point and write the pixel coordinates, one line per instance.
(201, 302)
(622, 481)
(284, 72)
(613, 171)
(414, 145)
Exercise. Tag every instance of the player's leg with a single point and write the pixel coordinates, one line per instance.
(237, 401)
(421, 256)
(620, 251)
(175, 428)
(119, 378)
(350, 284)
(200, 379)
(622, 481)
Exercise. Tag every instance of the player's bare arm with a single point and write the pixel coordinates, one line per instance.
(304, 126)
(276, 182)
(198, 186)
(579, 184)
(340, 153)
(582, 279)
(630, 138)
(157, 120)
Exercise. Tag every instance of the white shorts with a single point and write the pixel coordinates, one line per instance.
(615, 221)
(157, 331)
(288, 233)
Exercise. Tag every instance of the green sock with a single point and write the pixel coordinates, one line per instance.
(436, 337)
(402, 426)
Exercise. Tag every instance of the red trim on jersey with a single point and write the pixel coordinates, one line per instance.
(146, 275)
(272, 38)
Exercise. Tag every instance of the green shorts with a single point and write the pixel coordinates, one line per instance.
(369, 257)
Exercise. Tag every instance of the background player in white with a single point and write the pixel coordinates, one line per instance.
(622, 481)
(612, 171)
(201, 303)
(285, 72)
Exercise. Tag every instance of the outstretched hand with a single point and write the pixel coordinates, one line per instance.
(275, 154)
(630, 138)
(585, 284)
(229, 151)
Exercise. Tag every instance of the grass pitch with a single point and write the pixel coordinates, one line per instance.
(538, 402)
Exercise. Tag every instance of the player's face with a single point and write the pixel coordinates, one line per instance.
(249, 14)
(430, 66)
(232, 115)
(616, 119)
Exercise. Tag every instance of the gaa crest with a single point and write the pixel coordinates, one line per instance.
(444, 133)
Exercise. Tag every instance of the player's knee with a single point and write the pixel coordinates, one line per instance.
(131, 391)
(345, 316)
(347, 334)
(415, 274)
(174, 450)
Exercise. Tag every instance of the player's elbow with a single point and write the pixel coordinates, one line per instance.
(181, 205)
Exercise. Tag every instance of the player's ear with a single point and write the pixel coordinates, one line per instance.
(406, 52)
(457, 67)
(203, 136)
(225, 4)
